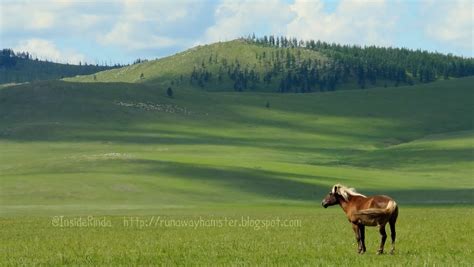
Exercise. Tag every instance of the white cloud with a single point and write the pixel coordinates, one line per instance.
(140, 23)
(31, 15)
(85, 21)
(141, 27)
(156, 11)
(451, 22)
(238, 18)
(359, 22)
(44, 49)
(131, 37)
(41, 20)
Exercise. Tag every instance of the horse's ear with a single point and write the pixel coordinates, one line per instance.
(334, 190)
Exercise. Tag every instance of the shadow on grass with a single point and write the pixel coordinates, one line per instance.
(286, 186)
(90, 103)
(428, 196)
(333, 156)
(283, 186)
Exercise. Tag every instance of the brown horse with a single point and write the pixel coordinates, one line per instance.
(365, 211)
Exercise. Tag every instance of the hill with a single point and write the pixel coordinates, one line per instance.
(214, 67)
(75, 155)
(21, 67)
(100, 144)
(289, 65)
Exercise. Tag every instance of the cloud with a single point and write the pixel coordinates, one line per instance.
(359, 22)
(142, 23)
(235, 19)
(156, 11)
(451, 22)
(126, 29)
(129, 36)
(83, 22)
(137, 28)
(44, 49)
(34, 16)
(41, 20)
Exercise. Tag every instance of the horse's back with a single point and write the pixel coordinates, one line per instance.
(377, 210)
(378, 202)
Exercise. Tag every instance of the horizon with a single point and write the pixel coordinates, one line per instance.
(198, 45)
(123, 31)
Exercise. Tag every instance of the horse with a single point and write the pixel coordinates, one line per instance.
(365, 211)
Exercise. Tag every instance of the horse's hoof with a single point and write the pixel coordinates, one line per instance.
(380, 252)
(392, 252)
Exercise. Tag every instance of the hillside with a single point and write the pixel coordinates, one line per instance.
(122, 146)
(289, 66)
(20, 67)
(213, 66)
(130, 156)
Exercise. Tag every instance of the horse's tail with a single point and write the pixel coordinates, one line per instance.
(391, 207)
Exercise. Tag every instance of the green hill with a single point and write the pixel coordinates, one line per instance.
(128, 155)
(115, 147)
(20, 67)
(218, 60)
(289, 66)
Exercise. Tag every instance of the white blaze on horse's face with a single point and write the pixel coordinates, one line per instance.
(330, 199)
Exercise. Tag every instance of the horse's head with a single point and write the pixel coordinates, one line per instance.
(332, 198)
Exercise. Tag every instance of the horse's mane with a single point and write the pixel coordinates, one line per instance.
(345, 192)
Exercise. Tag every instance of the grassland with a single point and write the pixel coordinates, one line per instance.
(427, 236)
(121, 149)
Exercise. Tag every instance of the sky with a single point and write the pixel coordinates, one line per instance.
(106, 31)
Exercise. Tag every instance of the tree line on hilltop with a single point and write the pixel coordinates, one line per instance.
(19, 67)
(285, 67)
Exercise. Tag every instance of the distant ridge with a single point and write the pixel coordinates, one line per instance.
(279, 64)
(21, 67)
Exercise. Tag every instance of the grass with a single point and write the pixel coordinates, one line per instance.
(176, 70)
(119, 149)
(220, 59)
(324, 238)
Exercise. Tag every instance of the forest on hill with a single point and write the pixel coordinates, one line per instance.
(264, 64)
(341, 65)
(18, 67)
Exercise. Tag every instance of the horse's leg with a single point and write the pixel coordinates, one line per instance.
(392, 222)
(384, 237)
(355, 227)
(362, 237)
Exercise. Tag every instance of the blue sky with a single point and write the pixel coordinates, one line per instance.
(123, 30)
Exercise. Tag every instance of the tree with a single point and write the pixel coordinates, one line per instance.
(169, 92)
(142, 76)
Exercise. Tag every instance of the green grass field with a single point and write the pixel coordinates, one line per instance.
(427, 236)
(116, 149)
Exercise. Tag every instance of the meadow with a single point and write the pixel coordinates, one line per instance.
(116, 149)
(427, 236)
